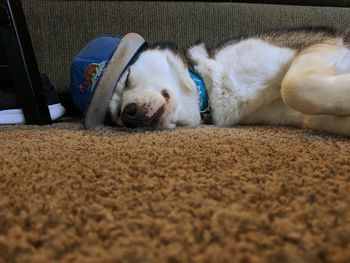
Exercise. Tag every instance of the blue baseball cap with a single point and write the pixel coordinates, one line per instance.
(96, 70)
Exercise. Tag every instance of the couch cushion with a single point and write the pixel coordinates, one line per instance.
(339, 3)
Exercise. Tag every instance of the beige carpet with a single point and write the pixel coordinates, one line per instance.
(206, 194)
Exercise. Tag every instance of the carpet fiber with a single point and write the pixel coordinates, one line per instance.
(205, 194)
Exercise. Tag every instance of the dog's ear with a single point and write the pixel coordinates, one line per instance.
(181, 71)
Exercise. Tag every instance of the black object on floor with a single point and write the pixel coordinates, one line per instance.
(8, 99)
(19, 65)
(10, 110)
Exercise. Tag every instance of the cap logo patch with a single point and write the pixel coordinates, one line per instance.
(92, 75)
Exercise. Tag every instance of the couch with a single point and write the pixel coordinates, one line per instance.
(60, 28)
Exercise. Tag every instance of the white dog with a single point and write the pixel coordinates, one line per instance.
(296, 78)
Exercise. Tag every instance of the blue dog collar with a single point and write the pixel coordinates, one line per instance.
(202, 91)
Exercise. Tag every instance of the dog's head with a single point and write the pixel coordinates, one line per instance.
(156, 92)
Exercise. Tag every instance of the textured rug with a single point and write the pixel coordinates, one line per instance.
(205, 194)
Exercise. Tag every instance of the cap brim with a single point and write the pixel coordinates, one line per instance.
(97, 108)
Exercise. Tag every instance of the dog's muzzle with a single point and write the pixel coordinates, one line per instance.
(134, 116)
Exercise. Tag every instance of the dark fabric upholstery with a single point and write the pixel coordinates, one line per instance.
(60, 28)
(339, 3)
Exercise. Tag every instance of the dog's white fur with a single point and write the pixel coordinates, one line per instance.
(252, 81)
(155, 71)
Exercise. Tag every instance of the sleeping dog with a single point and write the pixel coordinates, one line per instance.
(297, 77)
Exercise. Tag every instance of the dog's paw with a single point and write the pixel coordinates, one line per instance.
(203, 64)
(169, 126)
(198, 53)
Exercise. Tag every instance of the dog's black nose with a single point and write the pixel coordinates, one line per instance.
(134, 116)
(130, 111)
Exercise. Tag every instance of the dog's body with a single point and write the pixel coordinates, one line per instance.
(297, 78)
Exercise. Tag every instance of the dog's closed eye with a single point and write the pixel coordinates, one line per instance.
(127, 79)
(165, 94)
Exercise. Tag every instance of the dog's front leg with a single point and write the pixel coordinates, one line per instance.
(224, 111)
(207, 68)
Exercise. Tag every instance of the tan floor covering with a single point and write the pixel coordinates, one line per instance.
(206, 194)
